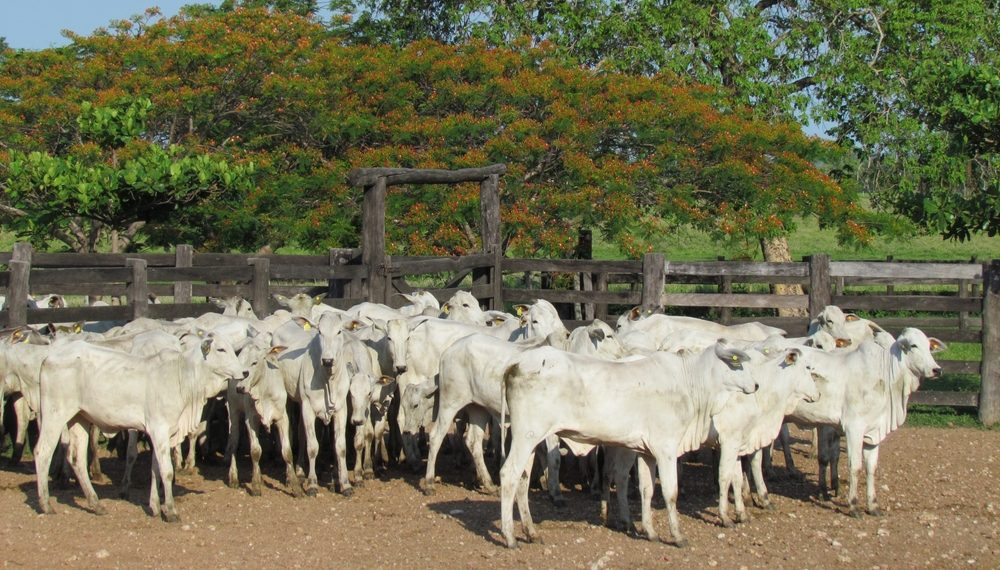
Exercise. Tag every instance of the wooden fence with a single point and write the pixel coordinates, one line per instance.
(968, 310)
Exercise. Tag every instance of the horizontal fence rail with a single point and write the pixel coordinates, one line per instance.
(956, 302)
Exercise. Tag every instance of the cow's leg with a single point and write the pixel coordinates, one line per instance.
(312, 448)
(523, 508)
(834, 447)
(368, 468)
(786, 448)
(130, 455)
(22, 413)
(622, 461)
(855, 444)
(553, 461)
(161, 450)
(825, 453)
(95, 462)
(177, 456)
(666, 461)
(49, 435)
(446, 416)
(870, 454)
(232, 443)
(645, 474)
(252, 423)
(360, 445)
(727, 468)
(475, 433)
(340, 451)
(79, 444)
(742, 515)
(762, 498)
(154, 485)
(511, 474)
(291, 477)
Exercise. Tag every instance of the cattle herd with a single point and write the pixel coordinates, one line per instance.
(639, 395)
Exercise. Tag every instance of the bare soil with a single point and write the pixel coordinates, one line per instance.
(939, 488)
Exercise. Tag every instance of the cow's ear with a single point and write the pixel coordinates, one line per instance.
(275, 351)
(355, 325)
(281, 299)
(446, 308)
(217, 302)
(937, 345)
(78, 327)
(851, 317)
(596, 335)
(635, 314)
(904, 344)
(519, 310)
(385, 380)
(318, 299)
(792, 356)
(842, 342)
(303, 322)
(206, 346)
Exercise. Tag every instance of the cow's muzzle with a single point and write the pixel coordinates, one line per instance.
(327, 362)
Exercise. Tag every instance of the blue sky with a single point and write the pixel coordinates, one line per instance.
(36, 24)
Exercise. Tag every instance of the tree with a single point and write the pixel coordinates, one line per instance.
(627, 154)
(875, 70)
(111, 184)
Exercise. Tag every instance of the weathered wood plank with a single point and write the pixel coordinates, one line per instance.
(567, 296)
(905, 303)
(224, 273)
(393, 176)
(735, 300)
(715, 269)
(571, 266)
(76, 314)
(930, 398)
(915, 271)
(317, 272)
(440, 265)
(184, 255)
(49, 277)
(960, 366)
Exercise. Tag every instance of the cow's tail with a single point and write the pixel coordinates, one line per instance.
(511, 371)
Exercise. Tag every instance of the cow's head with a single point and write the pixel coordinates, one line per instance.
(220, 358)
(734, 358)
(418, 405)
(398, 333)
(916, 351)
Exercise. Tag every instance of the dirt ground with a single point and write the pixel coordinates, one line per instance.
(940, 489)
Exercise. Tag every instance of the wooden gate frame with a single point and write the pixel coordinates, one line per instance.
(376, 181)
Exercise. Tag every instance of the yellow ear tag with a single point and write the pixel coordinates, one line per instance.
(77, 328)
(736, 358)
(445, 308)
(306, 326)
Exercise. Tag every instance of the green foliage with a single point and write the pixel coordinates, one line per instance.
(112, 183)
(910, 86)
(630, 155)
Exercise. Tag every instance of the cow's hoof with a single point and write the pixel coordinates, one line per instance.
(682, 543)
(311, 491)
(491, 491)
(876, 512)
(855, 513)
(254, 491)
(559, 501)
(171, 517)
(348, 492)
(428, 489)
(296, 491)
(743, 518)
(535, 538)
(368, 476)
(99, 479)
(770, 507)
(233, 484)
(726, 523)
(99, 509)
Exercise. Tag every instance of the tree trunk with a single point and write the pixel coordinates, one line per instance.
(776, 250)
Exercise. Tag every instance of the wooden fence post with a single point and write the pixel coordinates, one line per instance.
(137, 288)
(373, 240)
(20, 287)
(989, 390)
(261, 286)
(585, 250)
(725, 288)
(601, 285)
(183, 257)
(820, 294)
(489, 214)
(653, 276)
(17, 293)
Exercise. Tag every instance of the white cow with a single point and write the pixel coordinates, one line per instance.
(658, 327)
(370, 399)
(83, 385)
(864, 393)
(317, 368)
(234, 306)
(660, 406)
(259, 400)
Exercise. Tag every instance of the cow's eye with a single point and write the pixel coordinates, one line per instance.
(466, 305)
